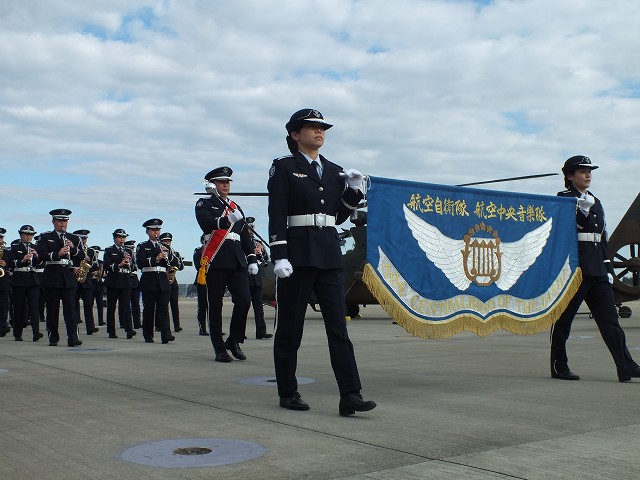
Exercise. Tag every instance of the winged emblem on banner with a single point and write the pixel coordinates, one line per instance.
(478, 259)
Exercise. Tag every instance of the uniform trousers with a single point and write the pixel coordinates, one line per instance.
(4, 308)
(292, 296)
(121, 296)
(258, 308)
(203, 306)
(86, 294)
(99, 301)
(237, 281)
(135, 307)
(173, 304)
(597, 293)
(53, 296)
(156, 310)
(25, 306)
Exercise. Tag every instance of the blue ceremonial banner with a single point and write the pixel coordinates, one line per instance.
(442, 260)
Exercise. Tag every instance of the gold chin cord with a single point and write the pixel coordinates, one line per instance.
(2, 245)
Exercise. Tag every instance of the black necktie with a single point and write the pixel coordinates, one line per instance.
(316, 165)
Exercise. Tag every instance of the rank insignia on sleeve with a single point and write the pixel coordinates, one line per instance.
(200, 203)
(272, 170)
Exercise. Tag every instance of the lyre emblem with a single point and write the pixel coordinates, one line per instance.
(481, 256)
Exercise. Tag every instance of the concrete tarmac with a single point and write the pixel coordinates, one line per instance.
(461, 408)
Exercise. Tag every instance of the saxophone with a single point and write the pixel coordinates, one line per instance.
(2, 245)
(171, 271)
(83, 269)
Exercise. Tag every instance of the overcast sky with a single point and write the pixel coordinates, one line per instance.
(116, 110)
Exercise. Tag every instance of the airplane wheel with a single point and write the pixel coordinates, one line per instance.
(353, 310)
(624, 312)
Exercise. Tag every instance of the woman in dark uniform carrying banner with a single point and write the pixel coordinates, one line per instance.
(597, 277)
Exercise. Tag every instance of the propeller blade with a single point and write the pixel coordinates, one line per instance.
(498, 180)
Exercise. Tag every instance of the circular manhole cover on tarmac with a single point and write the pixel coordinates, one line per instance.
(194, 452)
(271, 381)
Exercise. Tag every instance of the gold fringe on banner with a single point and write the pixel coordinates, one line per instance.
(464, 322)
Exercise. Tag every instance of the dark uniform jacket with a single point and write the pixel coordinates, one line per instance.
(592, 256)
(58, 276)
(146, 253)
(13, 257)
(295, 189)
(117, 277)
(232, 253)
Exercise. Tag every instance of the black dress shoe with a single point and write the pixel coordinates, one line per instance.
(4, 330)
(171, 338)
(177, 329)
(352, 403)
(235, 350)
(203, 333)
(101, 324)
(294, 402)
(113, 335)
(627, 375)
(37, 336)
(564, 375)
(74, 343)
(131, 334)
(223, 357)
(148, 340)
(53, 344)
(96, 329)
(264, 336)
(18, 339)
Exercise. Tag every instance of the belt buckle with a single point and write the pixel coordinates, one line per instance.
(320, 220)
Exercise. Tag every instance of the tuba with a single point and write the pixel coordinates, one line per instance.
(83, 269)
(2, 245)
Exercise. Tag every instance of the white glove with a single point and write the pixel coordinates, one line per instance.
(235, 216)
(585, 202)
(253, 268)
(610, 278)
(283, 268)
(354, 178)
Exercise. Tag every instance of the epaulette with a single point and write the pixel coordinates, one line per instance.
(284, 156)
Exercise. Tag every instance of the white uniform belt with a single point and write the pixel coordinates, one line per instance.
(64, 261)
(39, 270)
(312, 220)
(154, 269)
(24, 269)
(230, 236)
(589, 237)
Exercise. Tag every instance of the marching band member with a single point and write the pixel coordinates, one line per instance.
(229, 257)
(307, 198)
(61, 252)
(597, 278)
(4, 290)
(255, 284)
(201, 291)
(25, 283)
(134, 282)
(175, 262)
(97, 287)
(117, 266)
(151, 257)
(85, 288)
